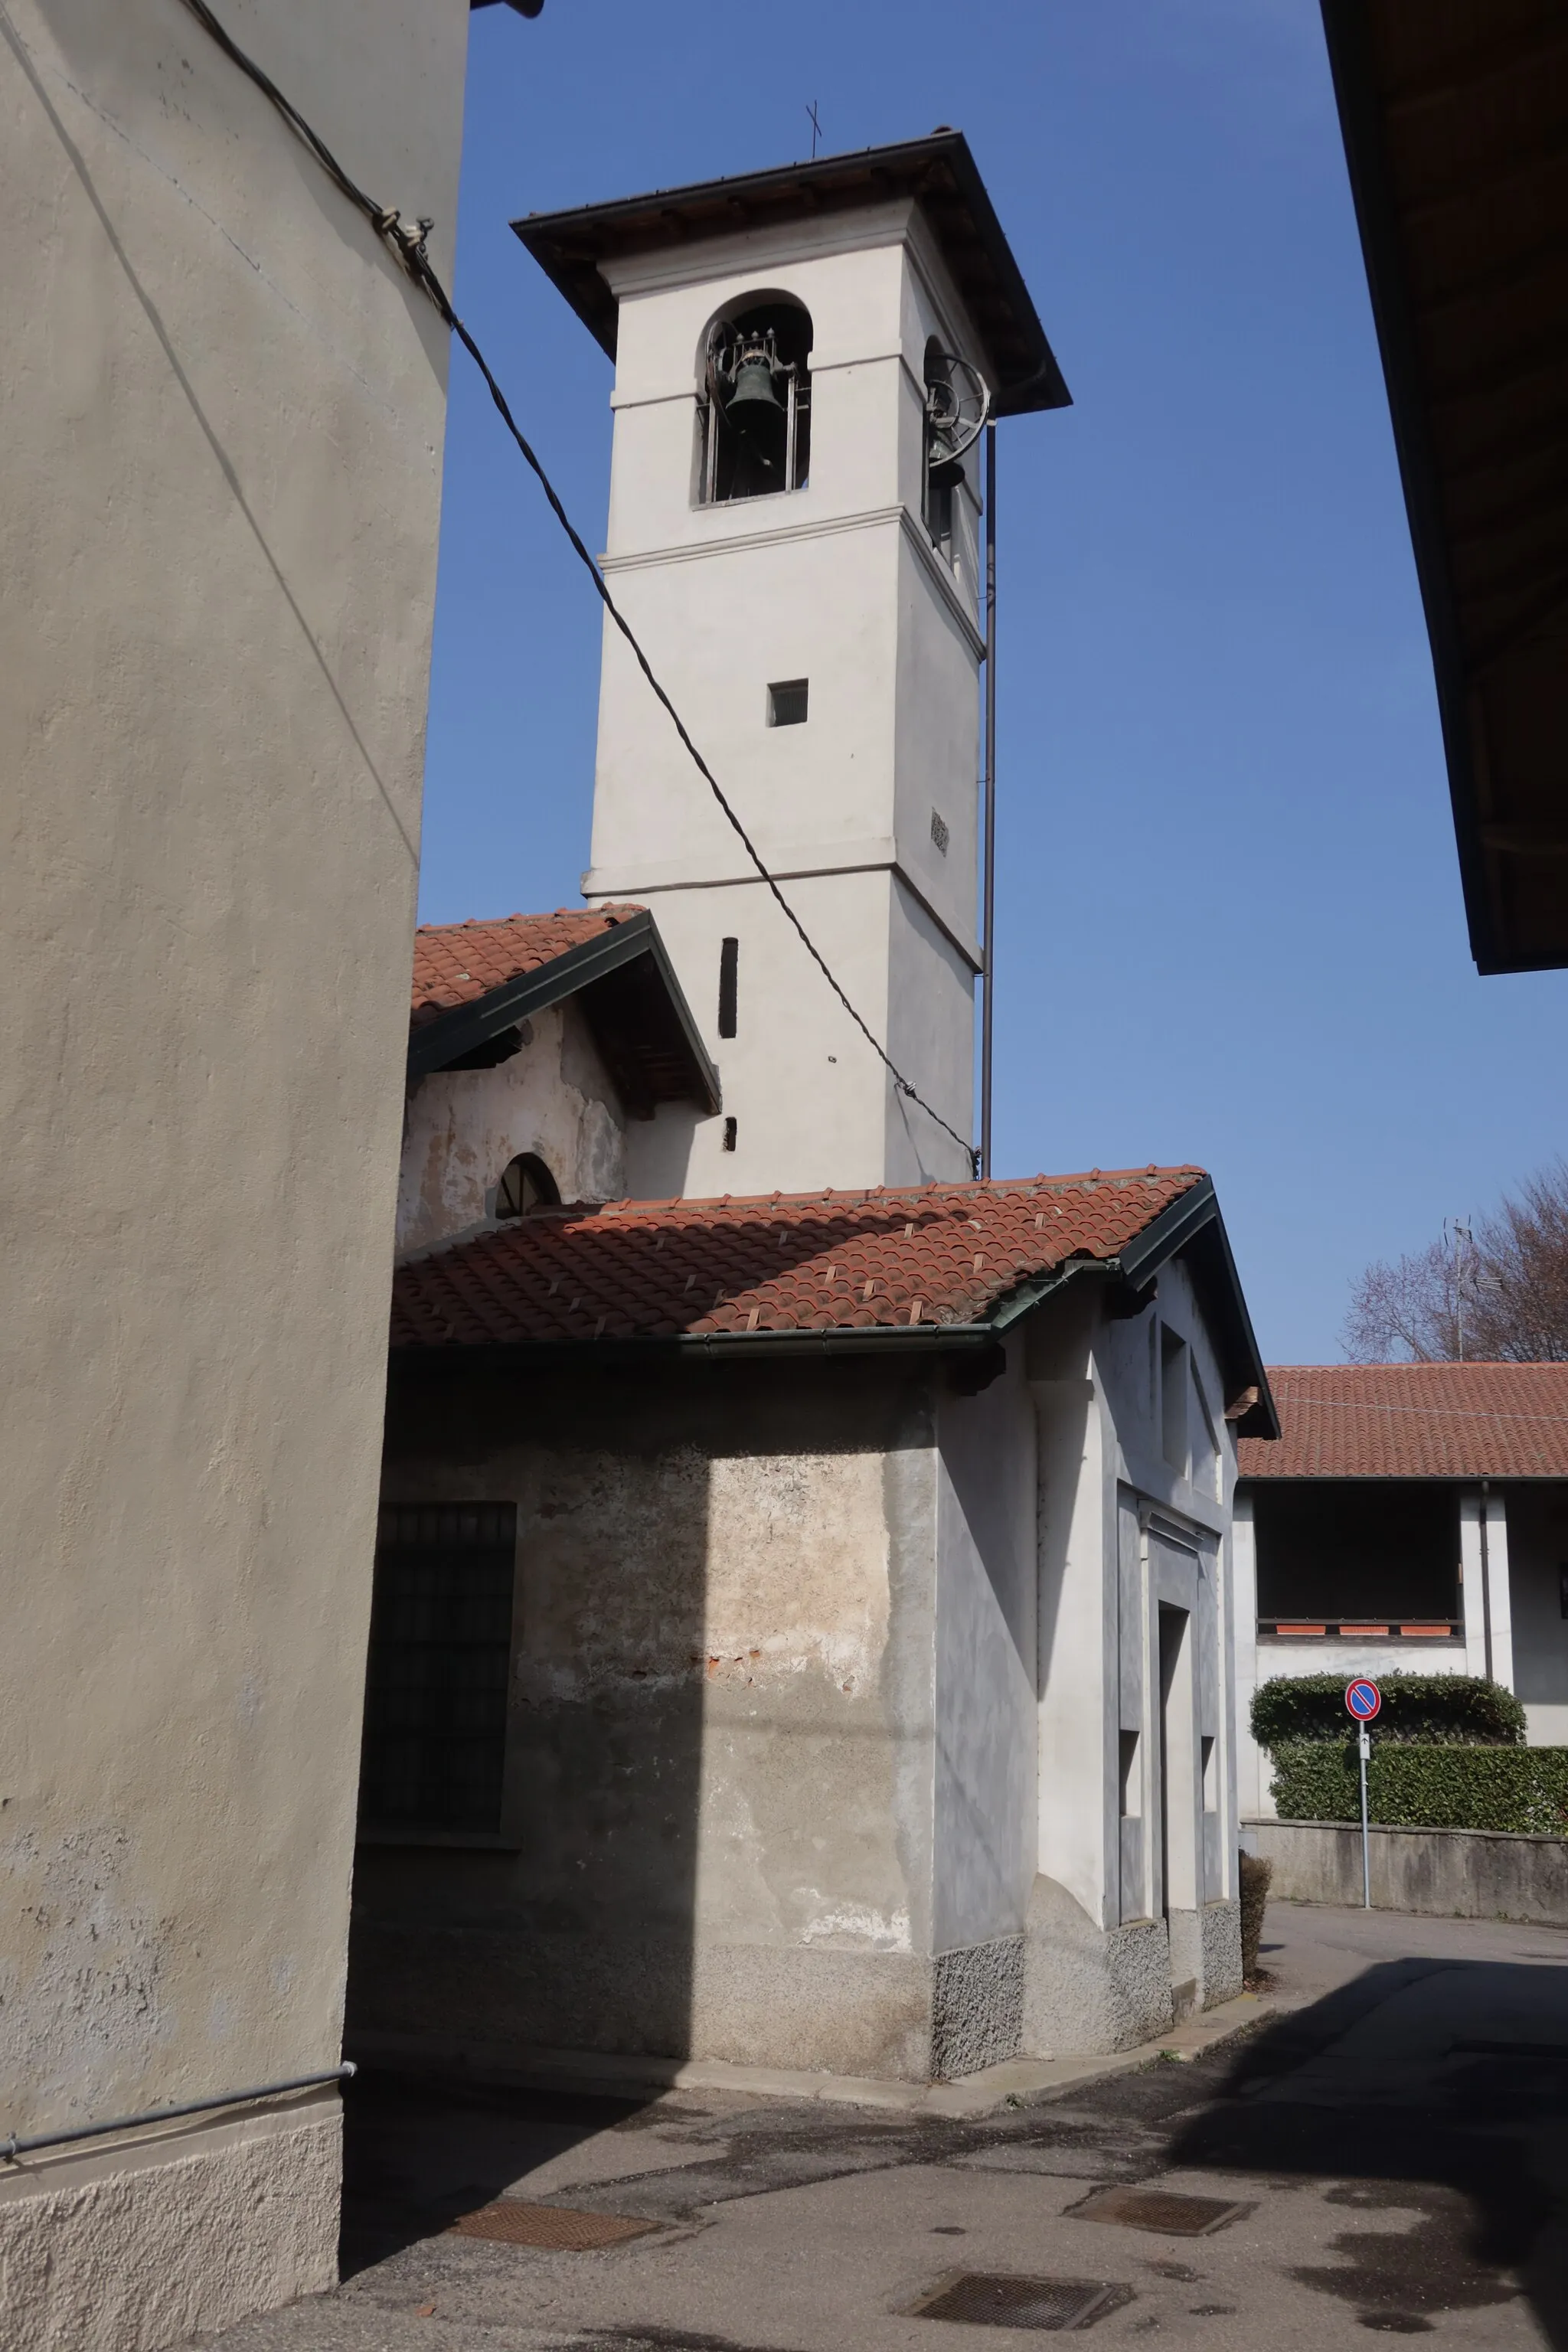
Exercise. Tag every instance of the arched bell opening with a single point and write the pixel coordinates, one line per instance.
(957, 407)
(755, 401)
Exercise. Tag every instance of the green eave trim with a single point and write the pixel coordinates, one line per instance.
(432, 1045)
(1191, 1226)
(848, 1340)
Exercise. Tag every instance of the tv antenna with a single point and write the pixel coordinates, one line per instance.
(816, 127)
(1464, 1242)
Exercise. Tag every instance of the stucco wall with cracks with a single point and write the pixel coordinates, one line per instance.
(555, 1098)
(222, 477)
(719, 1774)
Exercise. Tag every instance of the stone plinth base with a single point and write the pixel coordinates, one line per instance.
(1096, 1988)
(191, 2227)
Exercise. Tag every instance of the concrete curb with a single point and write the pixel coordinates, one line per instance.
(1016, 2082)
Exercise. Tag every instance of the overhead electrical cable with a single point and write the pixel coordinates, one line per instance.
(408, 245)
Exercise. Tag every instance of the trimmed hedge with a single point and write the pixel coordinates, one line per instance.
(1415, 1786)
(1256, 1874)
(1460, 1710)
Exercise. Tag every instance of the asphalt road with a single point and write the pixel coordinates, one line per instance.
(1389, 2154)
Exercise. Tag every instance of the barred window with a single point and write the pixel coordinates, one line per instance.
(440, 1647)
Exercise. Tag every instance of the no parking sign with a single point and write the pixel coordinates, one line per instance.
(1364, 1699)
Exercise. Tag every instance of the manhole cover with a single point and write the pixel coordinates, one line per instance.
(557, 2227)
(998, 2299)
(1161, 2210)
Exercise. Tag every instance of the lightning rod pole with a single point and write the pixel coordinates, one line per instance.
(987, 951)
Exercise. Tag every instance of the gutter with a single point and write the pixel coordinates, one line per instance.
(846, 1339)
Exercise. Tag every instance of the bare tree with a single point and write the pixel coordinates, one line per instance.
(1494, 1293)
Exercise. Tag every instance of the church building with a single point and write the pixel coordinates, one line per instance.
(803, 1632)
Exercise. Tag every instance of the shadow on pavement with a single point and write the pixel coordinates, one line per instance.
(418, 2153)
(1448, 2075)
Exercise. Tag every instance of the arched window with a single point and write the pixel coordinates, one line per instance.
(958, 403)
(526, 1183)
(755, 401)
(942, 476)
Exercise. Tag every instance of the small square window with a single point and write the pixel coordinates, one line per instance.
(787, 702)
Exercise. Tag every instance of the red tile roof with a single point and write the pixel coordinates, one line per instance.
(1414, 1421)
(456, 964)
(936, 1254)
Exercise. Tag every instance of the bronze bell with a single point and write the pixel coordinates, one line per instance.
(755, 410)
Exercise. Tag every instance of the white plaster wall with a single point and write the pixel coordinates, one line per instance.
(1473, 1582)
(461, 1128)
(811, 1103)
(1252, 1771)
(1493, 1522)
(1106, 1490)
(797, 1601)
(1077, 1836)
(1537, 1516)
(1196, 1496)
(222, 479)
(986, 1654)
(717, 1829)
(838, 584)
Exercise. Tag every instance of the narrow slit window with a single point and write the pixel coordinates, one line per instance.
(787, 702)
(440, 1652)
(731, 1130)
(1173, 1401)
(1208, 1765)
(728, 963)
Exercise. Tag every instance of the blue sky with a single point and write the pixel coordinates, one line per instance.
(1230, 924)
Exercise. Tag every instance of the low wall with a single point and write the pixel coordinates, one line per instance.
(1453, 1874)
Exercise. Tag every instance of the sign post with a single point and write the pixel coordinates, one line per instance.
(1363, 1698)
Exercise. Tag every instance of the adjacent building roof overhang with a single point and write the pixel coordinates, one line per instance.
(1456, 129)
(939, 172)
(1427, 1421)
(633, 1002)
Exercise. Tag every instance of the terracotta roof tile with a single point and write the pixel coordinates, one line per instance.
(1414, 1421)
(456, 964)
(936, 1254)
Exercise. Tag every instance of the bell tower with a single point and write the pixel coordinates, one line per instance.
(805, 362)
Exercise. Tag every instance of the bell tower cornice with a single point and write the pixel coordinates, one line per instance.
(578, 249)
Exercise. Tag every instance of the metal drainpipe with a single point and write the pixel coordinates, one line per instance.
(1486, 1581)
(11, 2148)
(987, 967)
